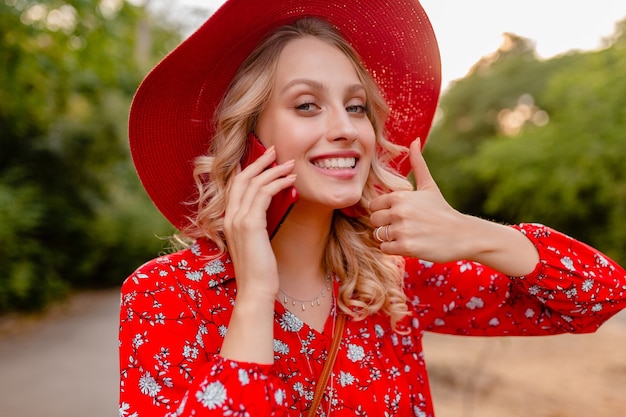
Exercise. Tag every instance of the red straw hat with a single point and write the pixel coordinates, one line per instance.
(171, 116)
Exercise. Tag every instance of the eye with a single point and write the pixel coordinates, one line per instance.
(306, 107)
(358, 108)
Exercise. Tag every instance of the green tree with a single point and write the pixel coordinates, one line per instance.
(70, 206)
(547, 144)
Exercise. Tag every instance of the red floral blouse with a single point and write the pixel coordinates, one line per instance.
(175, 312)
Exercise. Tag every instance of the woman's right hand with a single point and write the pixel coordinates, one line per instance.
(245, 223)
(256, 270)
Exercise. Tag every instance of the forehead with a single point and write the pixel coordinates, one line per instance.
(315, 58)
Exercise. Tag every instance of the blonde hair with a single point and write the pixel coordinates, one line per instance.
(370, 281)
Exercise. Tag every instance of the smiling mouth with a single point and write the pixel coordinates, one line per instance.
(336, 163)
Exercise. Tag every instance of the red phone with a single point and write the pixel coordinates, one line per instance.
(282, 202)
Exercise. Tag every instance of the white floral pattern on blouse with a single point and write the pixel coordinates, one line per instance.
(175, 312)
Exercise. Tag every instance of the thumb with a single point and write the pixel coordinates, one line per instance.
(423, 179)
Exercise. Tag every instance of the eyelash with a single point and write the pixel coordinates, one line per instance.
(361, 108)
(303, 106)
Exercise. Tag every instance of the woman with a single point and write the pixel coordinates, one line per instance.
(241, 324)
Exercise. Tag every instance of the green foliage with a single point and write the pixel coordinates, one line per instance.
(67, 74)
(72, 213)
(547, 143)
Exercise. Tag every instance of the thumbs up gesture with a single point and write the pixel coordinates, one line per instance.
(420, 223)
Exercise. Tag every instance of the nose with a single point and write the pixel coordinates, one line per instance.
(341, 126)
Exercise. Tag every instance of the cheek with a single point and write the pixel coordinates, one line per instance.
(269, 127)
(294, 140)
(288, 135)
(369, 142)
(289, 146)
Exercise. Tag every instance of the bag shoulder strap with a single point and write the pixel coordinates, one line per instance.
(328, 365)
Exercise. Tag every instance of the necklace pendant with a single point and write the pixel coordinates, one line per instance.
(313, 301)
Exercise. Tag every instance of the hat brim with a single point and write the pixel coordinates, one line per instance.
(170, 121)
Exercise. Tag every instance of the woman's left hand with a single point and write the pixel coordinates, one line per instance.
(419, 223)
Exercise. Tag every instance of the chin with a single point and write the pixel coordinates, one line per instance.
(348, 204)
(340, 198)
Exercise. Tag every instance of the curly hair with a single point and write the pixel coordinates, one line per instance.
(370, 281)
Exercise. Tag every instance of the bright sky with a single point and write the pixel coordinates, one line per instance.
(469, 29)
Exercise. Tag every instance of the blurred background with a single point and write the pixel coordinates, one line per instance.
(522, 134)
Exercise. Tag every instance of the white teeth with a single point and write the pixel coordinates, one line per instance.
(336, 163)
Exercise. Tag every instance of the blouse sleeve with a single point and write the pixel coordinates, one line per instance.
(169, 360)
(574, 288)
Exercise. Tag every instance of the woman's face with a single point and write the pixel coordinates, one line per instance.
(316, 115)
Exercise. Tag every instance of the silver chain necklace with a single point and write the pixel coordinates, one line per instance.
(315, 301)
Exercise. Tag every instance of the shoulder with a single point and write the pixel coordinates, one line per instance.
(201, 264)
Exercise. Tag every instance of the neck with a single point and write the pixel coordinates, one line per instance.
(299, 248)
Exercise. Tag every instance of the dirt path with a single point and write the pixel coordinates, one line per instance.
(556, 376)
(65, 365)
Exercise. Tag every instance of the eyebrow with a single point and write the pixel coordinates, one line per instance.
(311, 83)
(317, 86)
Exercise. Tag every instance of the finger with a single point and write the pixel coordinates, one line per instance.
(383, 234)
(245, 174)
(423, 178)
(258, 174)
(381, 202)
(250, 198)
(380, 211)
(256, 196)
(392, 243)
(393, 248)
(380, 218)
